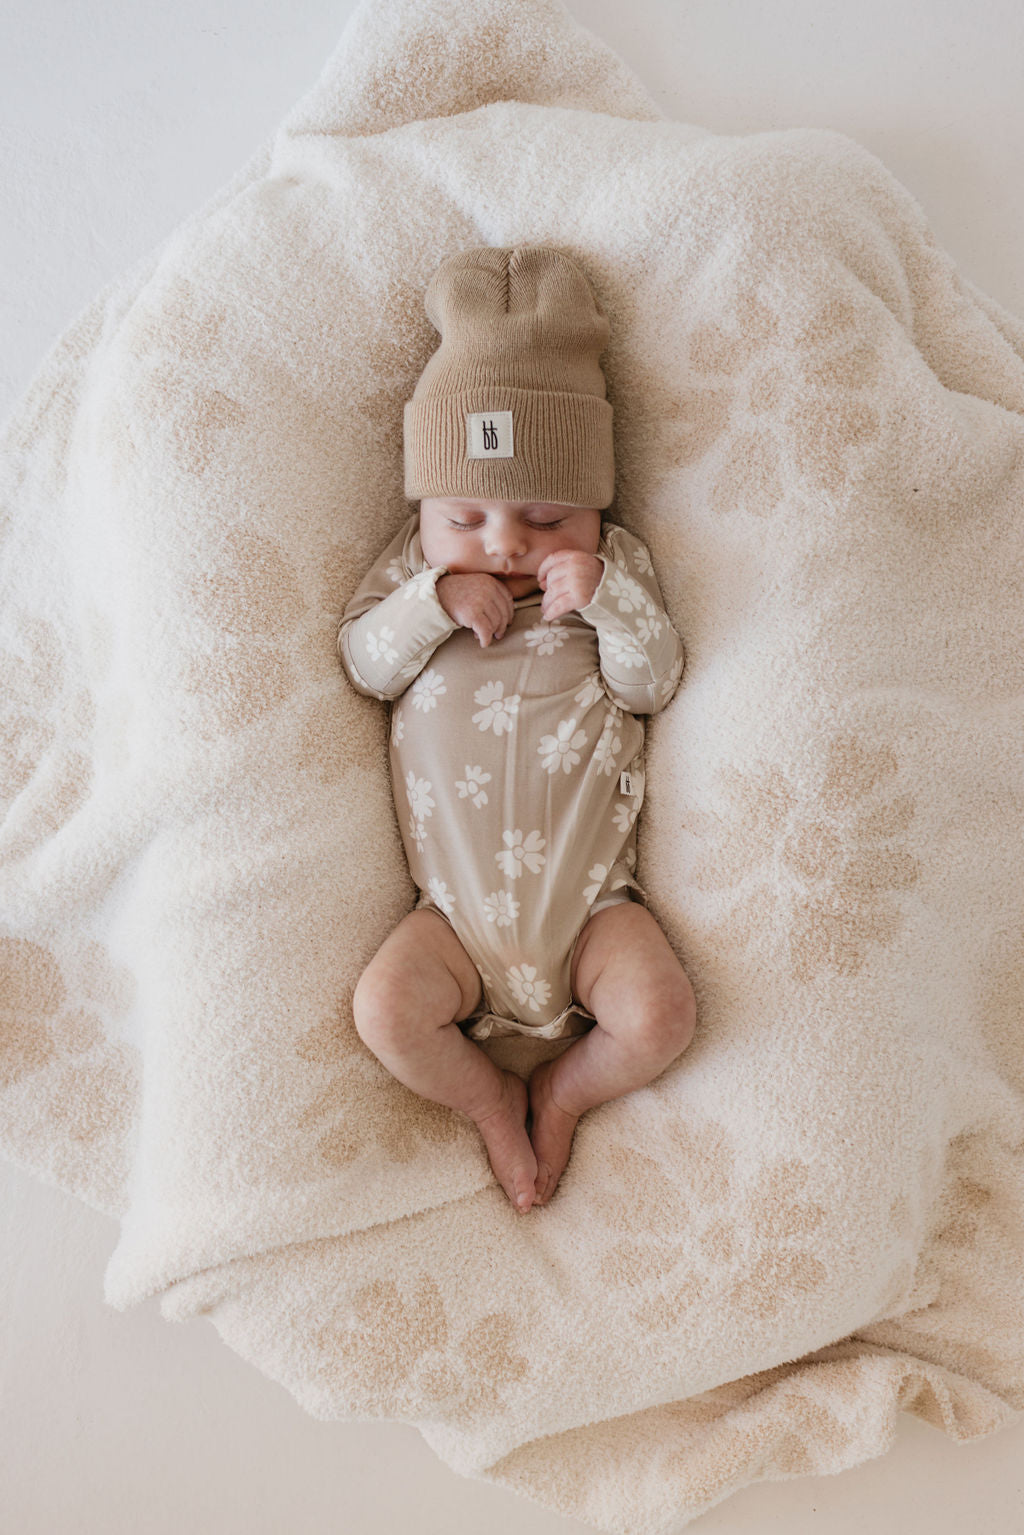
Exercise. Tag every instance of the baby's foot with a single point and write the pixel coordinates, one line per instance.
(508, 1145)
(551, 1132)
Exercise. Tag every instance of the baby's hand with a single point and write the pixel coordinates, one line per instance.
(569, 578)
(477, 601)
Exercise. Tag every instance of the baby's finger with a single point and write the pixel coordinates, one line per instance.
(554, 606)
(499, 613)
(545, 567)
(484, 623)
(504, 601)
(490, 625)
(557, 586)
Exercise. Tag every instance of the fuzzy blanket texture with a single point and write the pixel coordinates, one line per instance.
(815, 1218)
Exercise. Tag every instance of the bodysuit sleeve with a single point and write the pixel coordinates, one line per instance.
(393, 623)
(641, 654)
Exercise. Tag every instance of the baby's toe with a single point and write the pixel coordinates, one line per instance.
(508, 1145)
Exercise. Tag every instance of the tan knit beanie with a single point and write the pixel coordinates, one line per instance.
(512, 404)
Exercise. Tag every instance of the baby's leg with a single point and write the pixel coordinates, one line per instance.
(625, 973)
(406, 1004)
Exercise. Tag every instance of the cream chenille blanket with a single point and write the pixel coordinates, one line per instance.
(814, 1218)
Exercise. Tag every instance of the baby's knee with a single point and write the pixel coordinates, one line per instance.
(409, 990)
(668, 1024)
(381, 1007)
(663, 1022)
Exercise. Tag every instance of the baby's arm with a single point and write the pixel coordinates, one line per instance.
(392, 625)
(641, 654)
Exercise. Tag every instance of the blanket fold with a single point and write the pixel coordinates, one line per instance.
(815, 1218)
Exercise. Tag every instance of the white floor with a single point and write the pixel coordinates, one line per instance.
(117, 118)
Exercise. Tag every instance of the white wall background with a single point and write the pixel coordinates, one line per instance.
(117, 118)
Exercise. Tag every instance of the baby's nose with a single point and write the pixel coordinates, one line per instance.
(505, 543)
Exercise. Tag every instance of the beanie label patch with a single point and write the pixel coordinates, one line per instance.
(489, 435)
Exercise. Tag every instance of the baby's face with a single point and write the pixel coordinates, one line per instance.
(507, 539)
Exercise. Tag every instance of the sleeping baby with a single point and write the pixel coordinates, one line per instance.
(520, 637)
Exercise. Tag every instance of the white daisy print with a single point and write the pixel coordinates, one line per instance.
(394, 572)
(421, 586)
(642, 561)
(418, 833)
(527, 987)
(608, 744)
(417, 792)
(671, 682)
(472, 786)
(599, 873)
(648, 629)
(441, 895)
(496, 713)
(379, 646)
(623, 817)
(591, 691)
(426, 688)
(500, 908)
(397, 728)
(546, 637)
(521, 853)
(625, 649)
(605, 752)
(629, 596)
(562, 750)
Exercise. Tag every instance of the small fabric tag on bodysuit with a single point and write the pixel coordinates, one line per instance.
(631, 784)
(489, 435)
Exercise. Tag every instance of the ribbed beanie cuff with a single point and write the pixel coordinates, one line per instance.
(563, 448)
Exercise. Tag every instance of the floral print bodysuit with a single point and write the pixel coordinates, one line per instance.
(517, 768)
